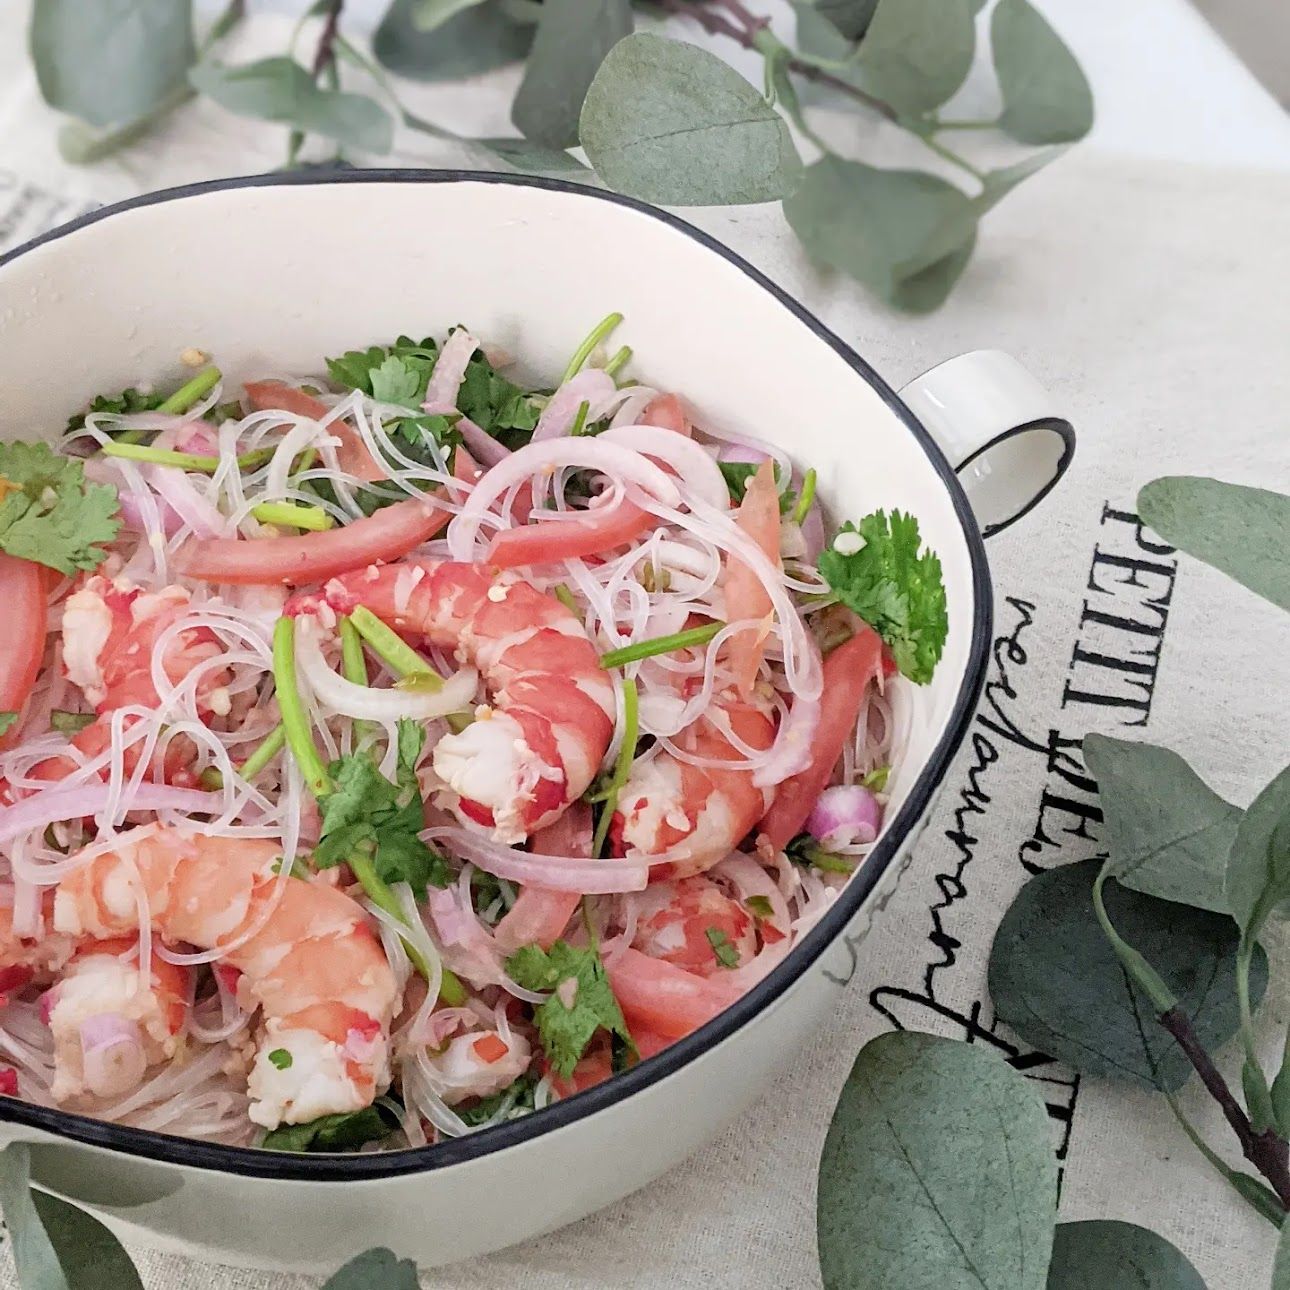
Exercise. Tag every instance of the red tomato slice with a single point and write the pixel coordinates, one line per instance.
(352, 454)
(593, 531)
(848, 670)
(22, 632)
(490, 1049)
(539, 914)
(746, 596)
(314, 557)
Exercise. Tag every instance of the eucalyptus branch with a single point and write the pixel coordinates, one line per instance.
(744, 31)
(1268, 1152)
(325, 53)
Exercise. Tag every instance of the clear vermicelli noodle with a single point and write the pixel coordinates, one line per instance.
(389, 753)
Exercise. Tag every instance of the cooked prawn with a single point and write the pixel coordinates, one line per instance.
(108, 1026)
(535, 749)
(695, 814)
(310, 960)
(110, 630)
(483, 1059)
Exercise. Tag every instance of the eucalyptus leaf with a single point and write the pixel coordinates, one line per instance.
(572, 40)
(279, 89)
(850, 17)
(881, 226)
(997, 184)
(928, 289)
(1104, 1253)
(1046, 96)
(536, 158)
(110, 61)
(1056, 981)
(429, 14)
(1245, 532)
(472, 41)
(671, 123)
(55, 1245)
(1167, 831)
(378, 1269)
(1258, 869)
(938, 1170)
(819, 36)
(916, 53)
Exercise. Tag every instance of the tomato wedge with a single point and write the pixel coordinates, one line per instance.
(664, 998)
(539, 914)
(848, 671)
(594, 530)
(314, 557)
(22, 632)
(352, 454)
(746, 595)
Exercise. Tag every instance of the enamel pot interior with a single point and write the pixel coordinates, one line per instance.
(272, 273)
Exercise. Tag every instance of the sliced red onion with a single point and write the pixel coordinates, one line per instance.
(592, 386)
(813, 533)
(791, 751)
(101, 470)
(449, 370)
(55, 805)
(441, 1024)
(197, 437)
(365, 702)
(612, 459)
(181, 495)
(557, 873)
(843, 815)
(112, 1052)
(742, 452)
(483, 447)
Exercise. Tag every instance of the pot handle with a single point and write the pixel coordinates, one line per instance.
(999, 429)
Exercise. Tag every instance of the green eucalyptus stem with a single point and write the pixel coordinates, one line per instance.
(990, 123)
(1261, 1197)
(1163, 999)
(1258, 1097)
(192, 391)
(946, 154)
(744, 31)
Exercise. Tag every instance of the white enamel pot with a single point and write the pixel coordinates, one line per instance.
(277, 271)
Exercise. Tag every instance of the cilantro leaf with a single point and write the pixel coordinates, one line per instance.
(807, 852)
(514, 1099)
(356, 370)
(345, 1131)
(400, 380)
(69, 723)
(759, 907)
(48, 513)
(7, 722)
(367, 810)
(495, 404)
(566, 1028)
(281, 1059)
(738, 473)
(875, 569)
(128, 401)
(726, 954)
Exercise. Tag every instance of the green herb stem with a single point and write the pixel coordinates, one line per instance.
(192, 391)
(618, 361)
(391, 648)
(565, 597)
(293, 515)
(184, 460)
(638, 650)
(267, 750)
(623, 766)
(581, 419)
(819, 858)
(583, 352)
(295, 721)
(803, 507)
(353, 664)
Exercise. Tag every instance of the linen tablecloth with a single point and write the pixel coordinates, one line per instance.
(1151, 298)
